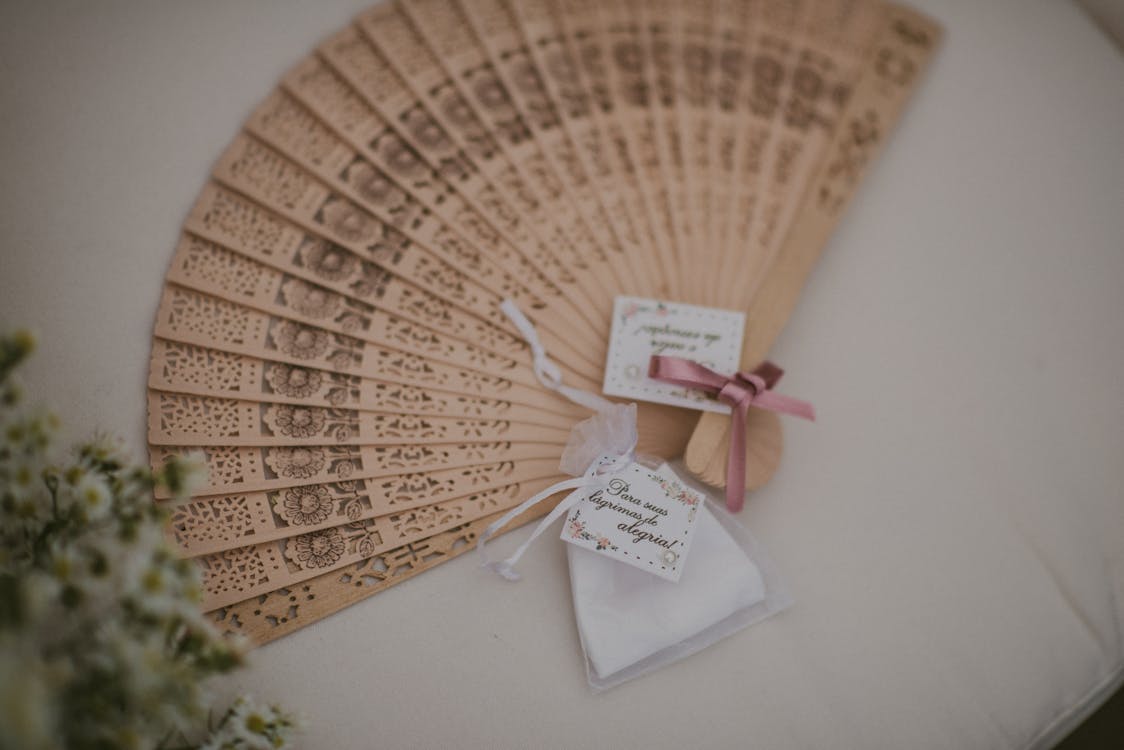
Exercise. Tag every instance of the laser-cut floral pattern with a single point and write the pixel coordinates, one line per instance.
(306, 506)
(333, 309)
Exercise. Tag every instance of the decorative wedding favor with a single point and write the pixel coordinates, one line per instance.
(643, 517)
(331, 339)
(646, 327)
(658, 571)
(631, 622)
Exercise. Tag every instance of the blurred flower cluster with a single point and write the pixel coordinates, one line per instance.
(102, 644)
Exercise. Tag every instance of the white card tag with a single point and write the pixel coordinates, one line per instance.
(644, 517)
(643, 327)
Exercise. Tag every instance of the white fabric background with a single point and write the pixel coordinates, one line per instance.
(951, 527)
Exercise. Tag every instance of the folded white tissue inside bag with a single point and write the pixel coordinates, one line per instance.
(632, 622)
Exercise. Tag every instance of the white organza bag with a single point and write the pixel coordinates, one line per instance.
(631, 621)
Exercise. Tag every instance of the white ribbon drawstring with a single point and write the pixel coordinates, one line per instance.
(506, 568)
(546, 370)
(597, 474)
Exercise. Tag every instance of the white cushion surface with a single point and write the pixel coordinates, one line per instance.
(952, 527)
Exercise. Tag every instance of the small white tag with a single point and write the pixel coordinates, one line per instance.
(643, 327)
(643, 517)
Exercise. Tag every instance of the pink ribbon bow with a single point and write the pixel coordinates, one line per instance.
(741, 391)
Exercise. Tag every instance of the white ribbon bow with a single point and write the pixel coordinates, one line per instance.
(610, 434)
(546, 370)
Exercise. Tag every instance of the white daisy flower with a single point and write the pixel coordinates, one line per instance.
(100, 592)
(92, 496)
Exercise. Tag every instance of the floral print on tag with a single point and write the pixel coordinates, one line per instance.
(577, 530)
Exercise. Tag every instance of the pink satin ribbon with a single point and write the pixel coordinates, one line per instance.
(740, 391)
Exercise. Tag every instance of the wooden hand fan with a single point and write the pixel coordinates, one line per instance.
(330, 338)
